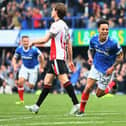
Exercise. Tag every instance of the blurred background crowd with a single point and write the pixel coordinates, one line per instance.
(8, 77)
(35, 14)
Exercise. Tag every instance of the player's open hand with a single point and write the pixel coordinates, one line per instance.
(71, 66)
(109, 71)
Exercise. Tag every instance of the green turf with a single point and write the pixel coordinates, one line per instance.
(107, 111)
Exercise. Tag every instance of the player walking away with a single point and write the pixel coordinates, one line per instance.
(105, 53)
(60, 48)
(30, 64)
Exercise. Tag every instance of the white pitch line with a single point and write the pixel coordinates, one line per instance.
(58, 116)
(89, 113)
(11, 119)
(63, 123)
(71, 123)
(68, 117)
(68, 123)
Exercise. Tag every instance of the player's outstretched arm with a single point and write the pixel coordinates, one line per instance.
(42, 40)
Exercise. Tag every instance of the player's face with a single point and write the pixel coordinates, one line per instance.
(103, 31)
(53, 13)
(25, 42)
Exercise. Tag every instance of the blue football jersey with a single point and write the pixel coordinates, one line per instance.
(105, 52)
(29, 57)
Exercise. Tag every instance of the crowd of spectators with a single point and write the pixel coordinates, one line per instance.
(29, 14)
(8, 77)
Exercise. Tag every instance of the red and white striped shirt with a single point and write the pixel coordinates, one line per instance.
(60, 37)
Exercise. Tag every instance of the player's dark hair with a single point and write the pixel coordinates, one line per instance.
(25, 36)
(102, 22)
(61, 10)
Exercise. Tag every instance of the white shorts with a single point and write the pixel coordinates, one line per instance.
(31, 75)
(102, 79)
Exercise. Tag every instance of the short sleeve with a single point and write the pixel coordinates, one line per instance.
(36, 51)
(91, 45)
(53, 29)
(17, 52)
(117, 48)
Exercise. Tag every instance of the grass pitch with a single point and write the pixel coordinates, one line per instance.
(107, 111)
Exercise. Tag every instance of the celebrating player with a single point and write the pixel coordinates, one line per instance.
(29, 70)
(104, 54)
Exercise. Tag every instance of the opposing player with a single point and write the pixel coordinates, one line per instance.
(104, 54)
(31, 57)
(60, 48)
